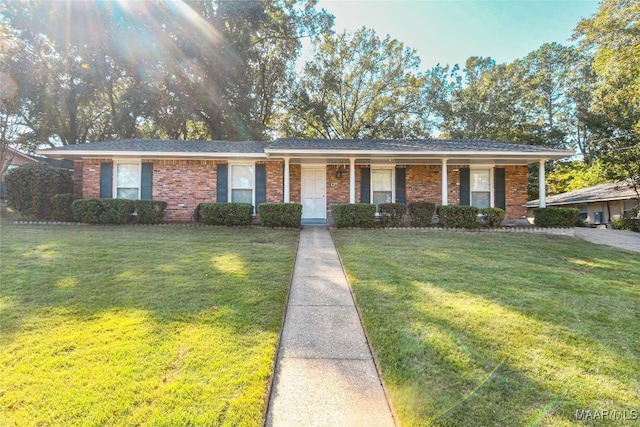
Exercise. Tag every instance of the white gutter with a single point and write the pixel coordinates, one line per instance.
(390, 153)
(145, 154)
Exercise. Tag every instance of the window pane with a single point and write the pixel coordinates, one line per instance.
(381, 179)
(381, 197)
(481, 199)
(480, 180)
(242, 176)
(241, 196)
(127, 193)
(128, 175)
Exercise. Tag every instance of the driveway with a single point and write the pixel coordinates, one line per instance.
(618, 238)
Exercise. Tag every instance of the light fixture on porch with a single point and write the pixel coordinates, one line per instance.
(339, 172)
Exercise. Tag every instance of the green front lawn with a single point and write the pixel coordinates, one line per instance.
(509, 330)
(139, 325)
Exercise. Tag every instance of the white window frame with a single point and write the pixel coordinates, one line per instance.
(392, 168)
(491, 184)
(137, 162)
(230, 181)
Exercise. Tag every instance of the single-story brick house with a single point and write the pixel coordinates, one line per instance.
(316, 173)
(598, 205)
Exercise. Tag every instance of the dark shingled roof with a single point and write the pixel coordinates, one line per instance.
(404, 145)
(169, 146)
(598, 193)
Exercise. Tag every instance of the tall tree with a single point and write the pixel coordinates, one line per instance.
(203, 69)
(358, 86)
(613, 36)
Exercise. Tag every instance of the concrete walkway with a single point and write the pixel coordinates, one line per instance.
(618, 238)
(325, 374)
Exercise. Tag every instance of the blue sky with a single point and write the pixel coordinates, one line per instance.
(449, 31)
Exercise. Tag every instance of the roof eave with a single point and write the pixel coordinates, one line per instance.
(423, 154)
(80, 154)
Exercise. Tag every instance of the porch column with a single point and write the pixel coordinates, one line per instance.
(445, 184)
(286, 180)
(541, 185)
(352, 180)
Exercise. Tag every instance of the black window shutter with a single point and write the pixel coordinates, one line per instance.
(222, 184)
(261, 184)
(465, 186)
(365, 185)
(500, 200)
(401, 184)
(106, 180)
(146, 190)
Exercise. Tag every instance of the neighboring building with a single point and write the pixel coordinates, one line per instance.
(316, 173)
(600, 204)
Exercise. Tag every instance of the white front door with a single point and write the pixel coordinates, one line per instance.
(313, 192)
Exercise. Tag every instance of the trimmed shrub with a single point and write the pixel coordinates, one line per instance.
(61, 207)
(29, 188)
(458, 216)
(492, 217)
(421, 213)
(226, 213)
(87, 211)
(556, 217)
(280, 214)
(116, 211)
(354, 215)
(392, 214)
(150, 211)
(102, 211)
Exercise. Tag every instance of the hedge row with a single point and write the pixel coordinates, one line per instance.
(118, 211)
(392, 215)
(556, 217)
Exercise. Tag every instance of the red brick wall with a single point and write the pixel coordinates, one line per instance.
(275, 181)
(91, 178)
(184, 184)
(423, 183)
(516, 192)
(295, 183)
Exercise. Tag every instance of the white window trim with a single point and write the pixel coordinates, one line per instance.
(230, 182)
(393, 182)
(114, 173)
(491, 184)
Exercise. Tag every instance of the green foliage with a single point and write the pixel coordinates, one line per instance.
(150, 211)
(230, 214)
(575, 175)
(61, 207)
(358, 86)
(103, 211)
(556, 217)
(392, 214)
(452, 216)
(492, 217)
(630, 222)
(113, 86)
(280, 214)
(361, 215)
(87, 211)
(421, 213)
(29, 188)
